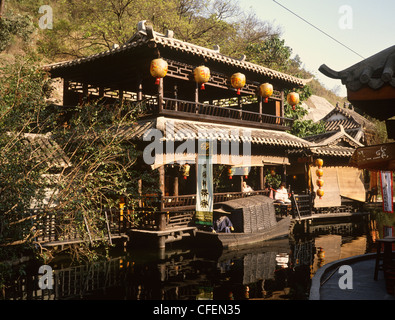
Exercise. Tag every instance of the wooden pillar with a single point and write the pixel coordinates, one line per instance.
(197, 98)
(241, 183)
(175, 97)
(140, 89)
(162, 215)
(282, 103)
(140, 191)
(84, 95)
(175, 186)
(65, 92)
(160, 95)
(240, 106)
(162, 184)
(260, 109)
(85, 90)
(261, 178)
(285, 173)
(101, 92)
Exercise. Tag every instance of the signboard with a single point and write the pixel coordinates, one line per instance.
(204, 187)
(386, 191)
(376, 157)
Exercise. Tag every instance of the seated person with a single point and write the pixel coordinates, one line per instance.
(223, 224)
(282, 194)
(246, 188)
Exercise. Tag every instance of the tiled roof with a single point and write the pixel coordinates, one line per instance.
(333, 151)
(336, 151)
(180, 130)
(374, 72)
(333, 138)
(141, 39)
(46, 150)
(335, 124)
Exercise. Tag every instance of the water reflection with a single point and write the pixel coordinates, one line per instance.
(280, 269)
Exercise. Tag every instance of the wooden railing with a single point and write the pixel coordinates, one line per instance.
(201, 110)
(188, 202)
(302, 205)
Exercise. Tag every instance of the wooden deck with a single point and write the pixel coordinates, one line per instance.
(173, 223)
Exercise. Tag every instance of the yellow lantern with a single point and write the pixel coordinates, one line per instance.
(293, 99)
(265, 91)
(238, 81)
(320, 193)
(320, 183)
(319, 172)
(185, 170)
(201, 75)
(319, 163)
(158, 69)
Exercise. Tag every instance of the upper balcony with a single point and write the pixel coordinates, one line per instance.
(196, 111)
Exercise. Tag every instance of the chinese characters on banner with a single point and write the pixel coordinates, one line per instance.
(204, 187)
(387, 191)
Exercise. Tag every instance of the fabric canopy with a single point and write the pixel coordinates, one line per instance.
(339, 182)
(235, 161)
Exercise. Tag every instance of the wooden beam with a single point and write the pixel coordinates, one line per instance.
(366, 93)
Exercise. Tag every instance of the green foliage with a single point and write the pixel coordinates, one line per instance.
(15, 26)
(300, 127)
(102, 160)
(21, 171)
(271, 53)
(274, 181)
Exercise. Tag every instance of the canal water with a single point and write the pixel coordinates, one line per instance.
(274, 270)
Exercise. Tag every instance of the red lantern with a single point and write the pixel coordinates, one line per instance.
(201, 75)
(158, 69)
(246, 172)
(230, 173)
(238, 81)
(265, 91)
(293, 99)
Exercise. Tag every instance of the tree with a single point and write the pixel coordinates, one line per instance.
(22, 97)
(300, 127)
(101, 156)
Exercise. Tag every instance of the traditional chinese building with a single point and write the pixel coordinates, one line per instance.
(371, 88)
(201, 95)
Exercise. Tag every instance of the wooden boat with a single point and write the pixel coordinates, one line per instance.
(254, 220)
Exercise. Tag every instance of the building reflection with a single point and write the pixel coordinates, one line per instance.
(278, 269)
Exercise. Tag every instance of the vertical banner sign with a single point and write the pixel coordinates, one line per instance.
(386, 191)
(204, 187)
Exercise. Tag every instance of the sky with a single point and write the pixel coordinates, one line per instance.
(365, 27)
